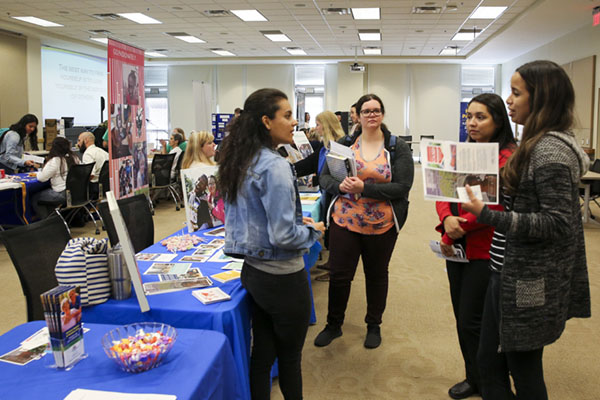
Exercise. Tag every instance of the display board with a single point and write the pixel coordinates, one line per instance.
(127, 123)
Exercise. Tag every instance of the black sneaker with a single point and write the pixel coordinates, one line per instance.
(327, 335)
(373, 339)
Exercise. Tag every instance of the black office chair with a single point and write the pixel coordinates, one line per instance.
(103, 181)
(161, 176)
(138, 220)
(78, 194)
(34, 250)
(594, 188)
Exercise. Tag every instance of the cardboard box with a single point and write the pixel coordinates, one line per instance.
(50, 132)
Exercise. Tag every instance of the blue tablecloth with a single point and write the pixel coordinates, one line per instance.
(199, 366)
(11, 201)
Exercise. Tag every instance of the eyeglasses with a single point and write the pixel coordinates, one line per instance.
(376, 112)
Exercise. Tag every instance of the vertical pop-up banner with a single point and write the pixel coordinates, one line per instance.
(127, 123)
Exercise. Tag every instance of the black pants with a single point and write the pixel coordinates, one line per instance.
(525, 366)
(468, 285)
(7, 170)
(280, 315)
(345, 249)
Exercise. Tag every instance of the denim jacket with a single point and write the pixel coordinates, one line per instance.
(11, 150)
(265, 220)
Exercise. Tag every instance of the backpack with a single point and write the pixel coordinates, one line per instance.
(2, 132)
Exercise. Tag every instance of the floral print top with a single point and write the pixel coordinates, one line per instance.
(366, 216)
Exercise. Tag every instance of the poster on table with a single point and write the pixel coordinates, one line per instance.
(127, 123)
(448, 166)
(204, 206)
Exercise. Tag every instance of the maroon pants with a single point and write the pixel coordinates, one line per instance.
(345, 247)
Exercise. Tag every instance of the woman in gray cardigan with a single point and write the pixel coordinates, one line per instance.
(543, 281)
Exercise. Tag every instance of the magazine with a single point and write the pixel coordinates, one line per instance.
(151, 288)
(449, 166)
(211, 295)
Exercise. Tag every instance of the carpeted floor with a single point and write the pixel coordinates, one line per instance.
(419, 358)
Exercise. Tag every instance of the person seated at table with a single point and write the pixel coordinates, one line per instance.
(59, 161)
(20, 136)
(200, 150)
(166, 146)
(264, 225)
(174, 141)
(92, 154)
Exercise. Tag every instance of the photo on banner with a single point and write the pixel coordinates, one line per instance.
(204, 206)
(127, 127)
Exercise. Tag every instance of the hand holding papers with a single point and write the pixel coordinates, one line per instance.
(459, 252)
(449, 166)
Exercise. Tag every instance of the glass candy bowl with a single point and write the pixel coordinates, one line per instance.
(139, 347)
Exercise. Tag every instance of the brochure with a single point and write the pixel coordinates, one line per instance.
(168, 268)
(211, 295)
(227, 276)
(449, 166)
(459, 253)
(151, 288)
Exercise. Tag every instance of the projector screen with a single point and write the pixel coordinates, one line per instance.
(72, 84)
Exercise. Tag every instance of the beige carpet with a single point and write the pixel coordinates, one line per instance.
(419, 358)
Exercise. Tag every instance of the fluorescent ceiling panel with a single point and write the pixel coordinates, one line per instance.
(365, 13)
(372, 51)
(222, 52)
(369, 34)
(487, 12)
(295, 51)
(38, 21)
(465, 36)
(277, 37)
(154, 54)
(102, 40)
(190, 39)
(249, 15)
(140, 18)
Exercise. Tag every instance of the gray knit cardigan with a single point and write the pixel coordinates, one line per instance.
(544, 280)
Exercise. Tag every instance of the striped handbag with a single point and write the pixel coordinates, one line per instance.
(84, 262)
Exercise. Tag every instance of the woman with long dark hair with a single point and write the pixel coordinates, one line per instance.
(487, 122)
(59, 161)
(20, 136)
(264, 225)
(367, 213)
(543, 280)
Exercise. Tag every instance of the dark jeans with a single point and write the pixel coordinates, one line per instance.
(42, 210)
(7, 170)
(468, 285)
(345, 249)
(525, 366)
(280, 315)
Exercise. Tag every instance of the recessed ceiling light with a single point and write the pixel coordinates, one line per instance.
(63, 12)
(140, 18)
(365, 13)
(342, 26)
(466, 35)
(299, 5)
(249, 15)
(221, 52)
(102, 40)
(419, 31)
(372, 51)
(276, 36)
(154, 54)
(190, 39)
(295, 51)
(38, 21)
(369, 34)
(487, 12)
(450, 51)
(178, 8)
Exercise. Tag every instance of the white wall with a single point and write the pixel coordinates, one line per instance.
(350, 86)
(388, 81)
(579, 44)
(34, 79)
(181, 95)
(435, 100)
(231, 89)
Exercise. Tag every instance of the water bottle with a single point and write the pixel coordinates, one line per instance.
(119, 274)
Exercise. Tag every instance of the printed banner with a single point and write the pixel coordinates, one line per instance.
(127, 124)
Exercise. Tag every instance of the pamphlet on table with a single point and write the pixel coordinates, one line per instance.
(211, 295)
